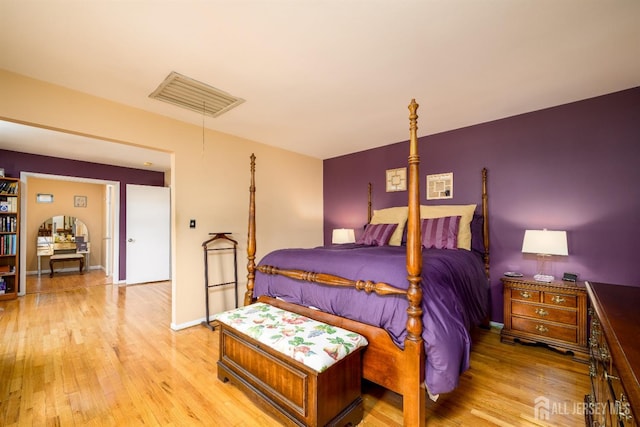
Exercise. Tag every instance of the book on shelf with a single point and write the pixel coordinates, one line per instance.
(10, 205)
(8, 187)
(8, 224)
(8, 244)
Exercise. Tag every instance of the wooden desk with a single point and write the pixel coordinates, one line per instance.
(60, 248)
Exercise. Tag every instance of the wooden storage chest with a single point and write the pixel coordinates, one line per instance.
(289, 389)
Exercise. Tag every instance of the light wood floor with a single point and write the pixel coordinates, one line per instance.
(66, 280)
(105, 355)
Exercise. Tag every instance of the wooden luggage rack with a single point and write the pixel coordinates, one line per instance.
(208, 247)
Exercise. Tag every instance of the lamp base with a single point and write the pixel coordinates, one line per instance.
(543, 278)
(544, 268)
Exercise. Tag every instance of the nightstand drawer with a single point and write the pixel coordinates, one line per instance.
(564, 333)
(569, 317)
(562, 300)
(525, 295)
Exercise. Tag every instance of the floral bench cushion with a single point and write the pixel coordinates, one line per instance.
(313, 343)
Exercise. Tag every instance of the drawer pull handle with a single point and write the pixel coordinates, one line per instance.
(525, 294)
(610, 377)
(558, 299)
(541, 312)
(542, 328)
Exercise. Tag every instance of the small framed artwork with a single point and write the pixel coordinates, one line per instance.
(440, 186)
(396, 179)
(80, 201)
(44, 198)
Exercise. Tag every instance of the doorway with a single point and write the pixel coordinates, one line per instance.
(104, 223)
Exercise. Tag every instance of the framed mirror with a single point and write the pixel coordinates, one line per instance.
(62, 233)
(62, 228)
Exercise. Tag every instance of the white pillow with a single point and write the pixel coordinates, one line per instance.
(466, 215)
(397, 215)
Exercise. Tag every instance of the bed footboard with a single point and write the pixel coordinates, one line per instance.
(380, 360)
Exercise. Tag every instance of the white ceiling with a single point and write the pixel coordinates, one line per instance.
(329, 77)
(28, 139)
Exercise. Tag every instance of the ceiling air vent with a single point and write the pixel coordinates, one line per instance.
(191, 94)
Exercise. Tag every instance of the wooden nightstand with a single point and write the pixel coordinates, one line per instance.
(553, 313)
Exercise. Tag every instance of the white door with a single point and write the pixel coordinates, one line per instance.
(148, 234)
(108, 231)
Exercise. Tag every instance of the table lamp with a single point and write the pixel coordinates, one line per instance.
(343, 235)
(544, 243)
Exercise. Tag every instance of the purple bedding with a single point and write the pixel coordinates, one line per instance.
(455, 296)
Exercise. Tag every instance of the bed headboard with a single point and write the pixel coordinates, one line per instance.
(483, 214)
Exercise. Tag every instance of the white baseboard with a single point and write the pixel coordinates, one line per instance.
(68, 269)
(187, 324)
(496, 325)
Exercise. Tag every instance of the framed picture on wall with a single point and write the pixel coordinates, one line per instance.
(80, 201)
(440, 186)
(396, 179)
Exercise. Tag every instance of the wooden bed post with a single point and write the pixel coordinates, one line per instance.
(251, 240)
(369, 212)
(485, 222)
(411, 360)
(413, 406)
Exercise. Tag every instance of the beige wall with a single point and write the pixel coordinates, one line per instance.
(208, 184)
(63, 193)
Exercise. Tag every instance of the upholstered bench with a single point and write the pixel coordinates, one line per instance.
(66, 257)
(304, 371)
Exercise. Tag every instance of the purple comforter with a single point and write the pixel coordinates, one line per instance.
(455, 296)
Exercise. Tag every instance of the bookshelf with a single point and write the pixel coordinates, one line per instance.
(9, 237)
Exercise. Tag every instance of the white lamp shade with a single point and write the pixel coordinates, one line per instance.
(545, 242)
(343, 235)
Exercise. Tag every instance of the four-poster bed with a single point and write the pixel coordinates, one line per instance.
(394, 359)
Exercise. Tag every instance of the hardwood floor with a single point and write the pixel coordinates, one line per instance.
(105, 355)
(66, 280)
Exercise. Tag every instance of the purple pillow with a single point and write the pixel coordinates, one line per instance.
(477, 234)
(377, 234)
(440, 233)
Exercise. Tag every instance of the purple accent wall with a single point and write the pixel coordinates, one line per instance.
(15, 162)
(575, 167)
